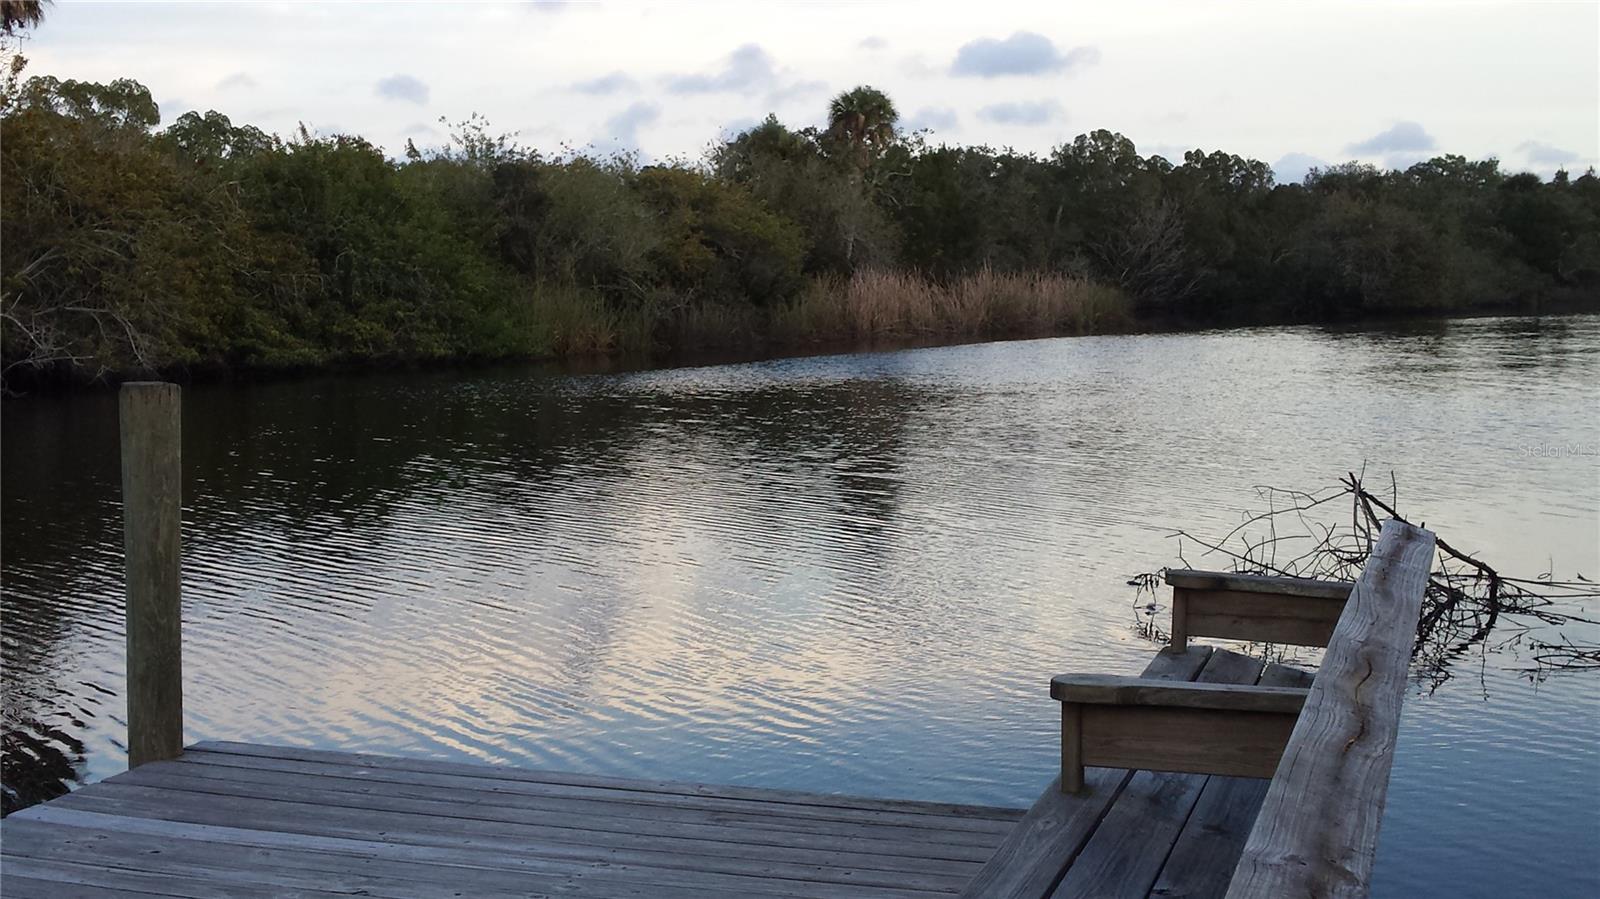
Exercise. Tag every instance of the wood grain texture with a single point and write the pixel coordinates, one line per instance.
(1317, 831)
(1047, 840)
(501, 778)
(540, 827)
(1260, 617)
(1179, 638)
(256, 821)
(1194, 741)
(1191, 740)
(227, 861)
(469, 866)
(446, 832)
(1208, 849)
(1112, 689)
(1255, 583)
(1071, 748)
(152, 475)
(755, 826)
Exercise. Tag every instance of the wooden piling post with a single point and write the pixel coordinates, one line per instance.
(151, 520)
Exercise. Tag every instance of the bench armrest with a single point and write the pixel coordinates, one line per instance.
(1110, 689)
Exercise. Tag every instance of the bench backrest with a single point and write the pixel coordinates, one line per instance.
(1252, 607)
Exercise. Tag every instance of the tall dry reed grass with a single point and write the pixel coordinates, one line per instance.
(981, 304)
(869, 305)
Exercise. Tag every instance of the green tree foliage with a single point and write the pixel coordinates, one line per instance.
(861, 124)
(840, 215)
(113, 258)
(19, 15)
(962, 209)
(596, 231)
(125, 247)
(718, 242)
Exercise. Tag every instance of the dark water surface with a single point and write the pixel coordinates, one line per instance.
(847, 573)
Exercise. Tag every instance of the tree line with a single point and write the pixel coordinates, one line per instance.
(207, 245)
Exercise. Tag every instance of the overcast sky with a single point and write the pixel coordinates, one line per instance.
(1292, 83)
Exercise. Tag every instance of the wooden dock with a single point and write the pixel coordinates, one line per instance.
(234, 819)
(237, 819)
(1214, 774)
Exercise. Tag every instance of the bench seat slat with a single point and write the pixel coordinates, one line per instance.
(1203, 858)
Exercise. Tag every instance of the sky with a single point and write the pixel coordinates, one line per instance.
(1295, 84)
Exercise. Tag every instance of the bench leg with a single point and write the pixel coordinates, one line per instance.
(1071, 747)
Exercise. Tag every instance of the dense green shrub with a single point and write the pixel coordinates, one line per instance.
(207, 244)
(718, 243)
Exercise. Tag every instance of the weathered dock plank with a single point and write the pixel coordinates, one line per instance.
(436, 824)
(211, 861)
(480, 867)
(455, 833)
(630, 785)
(504, 782)
(1203, 858)
(238, 819)
(841, 837)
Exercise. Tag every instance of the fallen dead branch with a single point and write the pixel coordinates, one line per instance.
(1470, 605)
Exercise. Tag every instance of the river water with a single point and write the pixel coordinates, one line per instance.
(847, 573)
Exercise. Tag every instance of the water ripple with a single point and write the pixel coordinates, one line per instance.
(848, 573)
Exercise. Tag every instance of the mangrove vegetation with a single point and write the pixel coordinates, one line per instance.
(207, 245)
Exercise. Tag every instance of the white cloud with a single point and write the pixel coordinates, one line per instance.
(614, 83)
(1403, 139)
(798, 90)
(933, 118)
(1040, 112)
(1023, 53)
(622, 129)
(236, 80)
(746, 70)
(403, 87)
(1272, 94)
(171, 108)
(1540, 153)
(735, 127)
(1292, 168)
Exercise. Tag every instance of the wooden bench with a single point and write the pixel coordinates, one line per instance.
(1217, 775)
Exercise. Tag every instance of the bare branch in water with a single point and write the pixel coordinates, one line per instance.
(1300, 534)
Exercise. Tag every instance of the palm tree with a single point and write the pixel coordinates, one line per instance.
(862, 120)
(16, 14)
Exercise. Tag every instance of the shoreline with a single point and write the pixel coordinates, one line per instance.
(762, 350)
